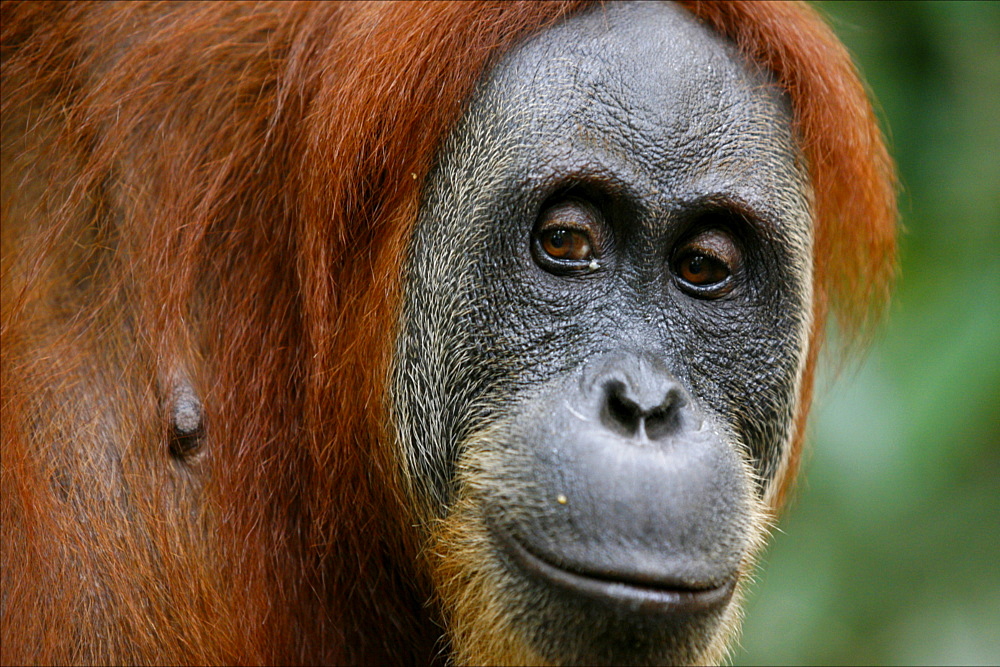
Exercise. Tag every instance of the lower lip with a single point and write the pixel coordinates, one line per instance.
(631, 597)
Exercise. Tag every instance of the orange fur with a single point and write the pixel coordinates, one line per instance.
(225, 191)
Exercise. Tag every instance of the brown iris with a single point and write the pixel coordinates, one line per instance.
(569, 238)
(702, 270)
(705, 263)
(566, 244)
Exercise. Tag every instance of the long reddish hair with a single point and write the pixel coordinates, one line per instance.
(226, 191)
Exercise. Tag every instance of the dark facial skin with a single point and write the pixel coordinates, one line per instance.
(603, 333)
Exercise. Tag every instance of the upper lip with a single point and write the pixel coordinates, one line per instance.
(641, 594)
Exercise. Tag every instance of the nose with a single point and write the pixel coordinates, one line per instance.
(638, 398)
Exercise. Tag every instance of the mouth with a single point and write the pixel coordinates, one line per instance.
(634, 594)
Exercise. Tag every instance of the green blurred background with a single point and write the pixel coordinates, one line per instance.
(890, 551)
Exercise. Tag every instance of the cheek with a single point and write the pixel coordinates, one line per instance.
(744, 363)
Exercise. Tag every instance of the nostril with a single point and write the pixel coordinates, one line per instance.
(620, 413)
(665, 419)
(625, 416)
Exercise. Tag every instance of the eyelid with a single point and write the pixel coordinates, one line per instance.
(573, 214)
(565, 223)
(713, 244)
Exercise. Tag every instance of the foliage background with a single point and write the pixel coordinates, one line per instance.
(890, 552)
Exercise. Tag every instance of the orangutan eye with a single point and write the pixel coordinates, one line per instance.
(704, 265)
(568, 238)
(566, 244)
(702, 270)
